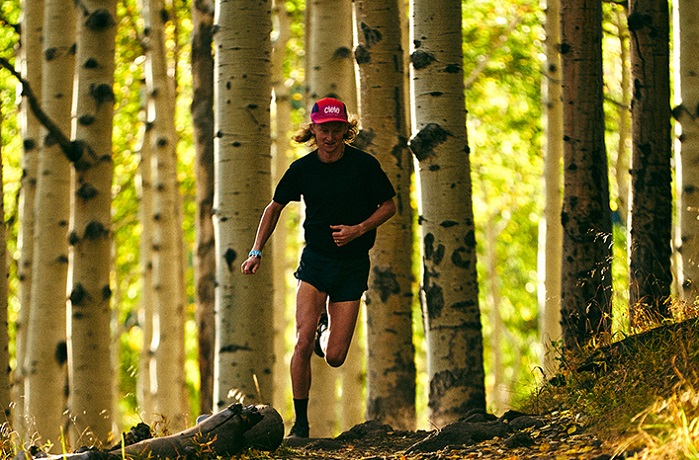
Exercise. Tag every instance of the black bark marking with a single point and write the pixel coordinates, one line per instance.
(91, 63)
(460, 257)
(362, 55)
(429, 137)
(78, 294)
(342, 53)
(463, 377)
(61, 353)
(397, 151)
(102, 93)
(637, 89)
(100, 19)
(232, 348)
(86, 119)
(470, 239)
(86, 192)
(421, 59)
(385, 283)
(29, 145)
(230, 257)
(95, 230)
(432, 253)
(73, 238)
(50, 54)
(106, 292)
(434, 299)
(364, 139)
(371, 36)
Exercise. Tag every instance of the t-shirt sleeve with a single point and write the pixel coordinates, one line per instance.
(288, 187)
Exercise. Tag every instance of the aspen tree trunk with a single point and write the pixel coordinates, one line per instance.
(391, 370)
(146, 383)
(284, 261)
(650, 275)
(687, 146)
(586, 278)
(331, 73)
(45, 382)
(449, 285)
(551, 232)
(6, 377)
(242, 89)
(493, 287)
(330, 51)
(30, 68)
(170, 395)
(90, 371)
(623, 178)
(202, 109)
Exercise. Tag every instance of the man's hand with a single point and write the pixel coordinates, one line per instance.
(343, 234)
(250, 266)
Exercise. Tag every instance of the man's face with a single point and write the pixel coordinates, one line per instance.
(329, 136)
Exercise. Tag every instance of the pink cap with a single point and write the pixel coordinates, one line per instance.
(327, 110)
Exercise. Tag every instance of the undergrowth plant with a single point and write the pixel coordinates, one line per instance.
(640, 393)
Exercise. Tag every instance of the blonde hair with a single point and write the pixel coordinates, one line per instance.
(305, 136)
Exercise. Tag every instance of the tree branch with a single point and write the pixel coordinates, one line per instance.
(72, 150)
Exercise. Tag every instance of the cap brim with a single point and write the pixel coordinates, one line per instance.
(328, 120)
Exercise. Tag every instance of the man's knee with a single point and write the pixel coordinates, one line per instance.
(304, 347)
(335, 359)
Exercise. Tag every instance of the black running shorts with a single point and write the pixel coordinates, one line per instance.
(342, 280)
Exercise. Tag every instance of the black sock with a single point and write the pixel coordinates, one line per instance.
(301, 409)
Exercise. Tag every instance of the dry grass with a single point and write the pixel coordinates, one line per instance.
(641, 394)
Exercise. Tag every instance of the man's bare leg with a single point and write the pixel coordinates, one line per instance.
(335, 342)
(310, 303)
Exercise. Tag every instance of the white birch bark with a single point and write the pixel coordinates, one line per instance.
(450, 285)
(46, 348)
(390, 352)
(242, 90)
(90, 370)
(170, 395)
(146, 380)
(551, 234)
(686, 15)
(30, 68)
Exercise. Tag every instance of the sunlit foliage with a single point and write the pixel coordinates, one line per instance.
(503, 45)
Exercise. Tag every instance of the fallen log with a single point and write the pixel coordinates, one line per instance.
(223, 434)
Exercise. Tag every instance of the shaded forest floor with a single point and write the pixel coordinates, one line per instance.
(554, 436)
(637, 398)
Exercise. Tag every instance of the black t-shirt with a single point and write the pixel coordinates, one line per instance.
(344, 192)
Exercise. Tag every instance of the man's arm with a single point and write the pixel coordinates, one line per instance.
(268, 222)
(343, 234)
